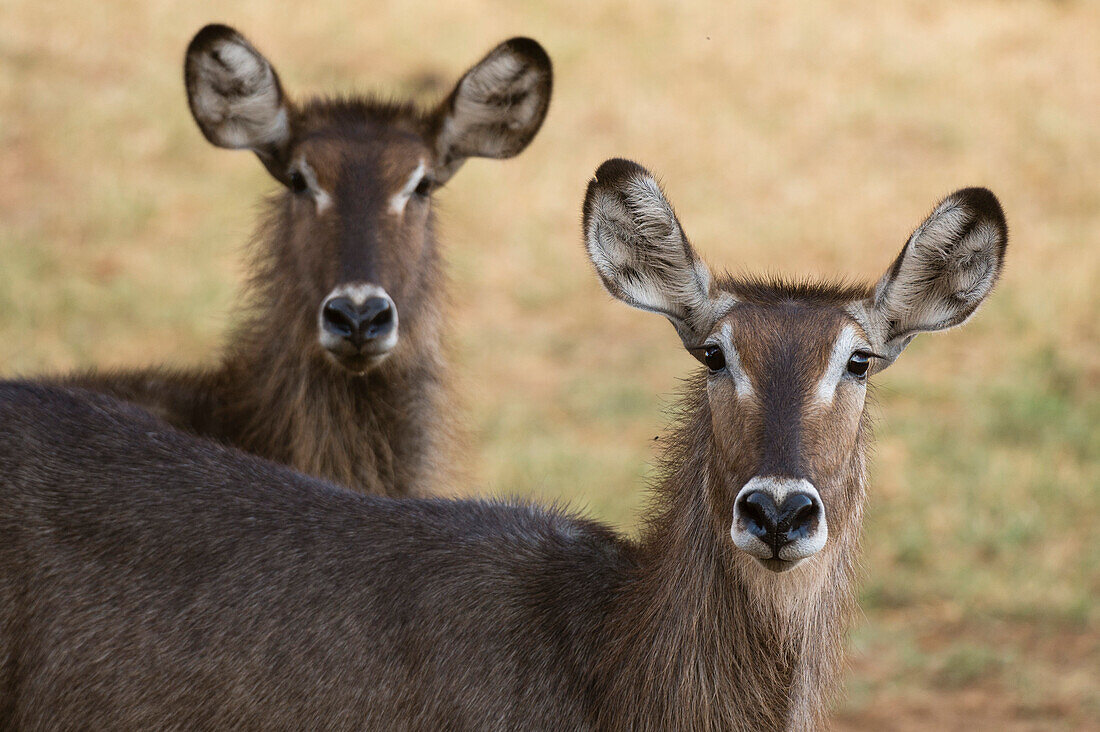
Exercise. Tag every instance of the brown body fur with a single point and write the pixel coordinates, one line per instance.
(151, 580)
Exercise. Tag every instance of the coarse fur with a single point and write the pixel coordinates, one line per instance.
(356, 217)
(151, 579)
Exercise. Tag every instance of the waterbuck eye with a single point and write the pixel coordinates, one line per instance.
(858, 363)
(424, 187)
(714, 358)
(298, 182)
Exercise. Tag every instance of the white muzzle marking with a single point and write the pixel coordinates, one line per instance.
(778, 489)
(358, 293)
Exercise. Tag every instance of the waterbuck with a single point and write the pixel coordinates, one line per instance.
(336, 366)
(149, 579)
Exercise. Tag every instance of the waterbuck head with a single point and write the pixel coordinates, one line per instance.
(788, 363)
(355, 219)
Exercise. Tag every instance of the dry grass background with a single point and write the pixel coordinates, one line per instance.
(804, 138)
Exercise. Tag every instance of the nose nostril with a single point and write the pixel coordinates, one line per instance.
(382, 319)
(378, 315)
(339, 317)
(803, 515)
(799, 514)
(758, 514)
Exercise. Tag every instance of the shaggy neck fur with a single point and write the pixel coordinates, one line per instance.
(704, 639)
(383, 432)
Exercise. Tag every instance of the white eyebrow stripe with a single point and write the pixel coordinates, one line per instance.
(846, 342)
(733, 362)
(320, 195)
(399, 199)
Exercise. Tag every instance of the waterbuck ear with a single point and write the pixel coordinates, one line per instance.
(235, 96)
(496, 108)
(943, 273)
(640, 251)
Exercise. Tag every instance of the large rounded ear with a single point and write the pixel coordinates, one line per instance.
(495, 109)
(641, 253)
(235, 96)
(948, 266)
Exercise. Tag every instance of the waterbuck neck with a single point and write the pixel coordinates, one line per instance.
(704, 638)
(292, 403)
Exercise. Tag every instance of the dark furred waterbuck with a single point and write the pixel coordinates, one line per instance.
(336, 366)
(149, 579)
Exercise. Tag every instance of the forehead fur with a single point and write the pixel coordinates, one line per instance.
(775, 290)
(761, 330)
(800, 318)
(356, 113)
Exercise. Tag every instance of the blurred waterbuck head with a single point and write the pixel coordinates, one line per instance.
(352, 233)
(788, 363)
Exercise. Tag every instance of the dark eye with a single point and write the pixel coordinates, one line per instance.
(858, 363)
(714, 358)
(298, 182)
(424, 187)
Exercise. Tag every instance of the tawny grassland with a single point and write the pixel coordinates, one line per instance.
(800, 138)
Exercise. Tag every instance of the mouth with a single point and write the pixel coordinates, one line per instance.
(359, 363)
(777, 565)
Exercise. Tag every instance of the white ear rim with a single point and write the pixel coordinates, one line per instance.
(947, 268)
(234, 93)
(497, 108)
(642, 255)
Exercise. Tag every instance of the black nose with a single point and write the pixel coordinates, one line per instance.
(776, 526)
(358, 324)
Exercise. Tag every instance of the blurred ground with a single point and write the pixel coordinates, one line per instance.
(806, 140)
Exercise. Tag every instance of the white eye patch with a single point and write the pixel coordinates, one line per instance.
(320, 195)
(741, 380)
(847, 342)
(401, 198)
